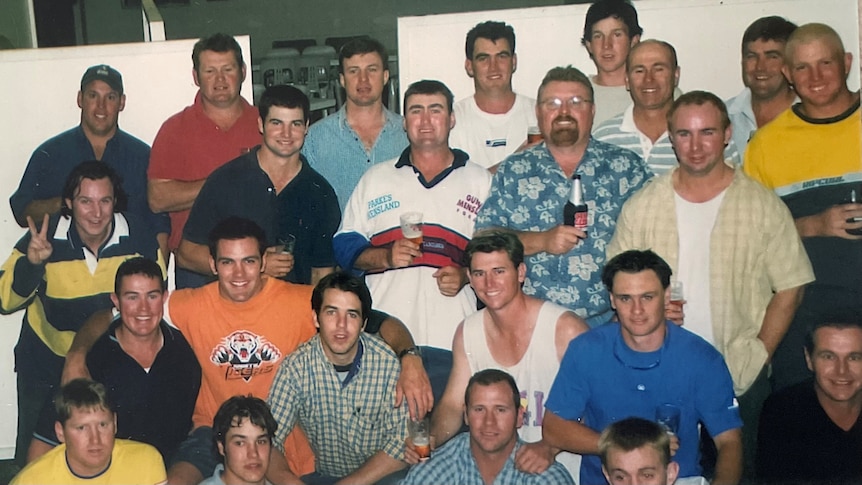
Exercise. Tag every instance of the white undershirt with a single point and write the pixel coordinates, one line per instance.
(695, 222)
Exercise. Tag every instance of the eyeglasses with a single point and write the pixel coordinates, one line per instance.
(575, 102)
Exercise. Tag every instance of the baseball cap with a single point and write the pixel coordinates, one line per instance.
(106, 73)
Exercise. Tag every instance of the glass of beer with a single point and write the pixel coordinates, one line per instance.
(411, 226)
(533, 135)
(668, 416)
(677, 295)
(420, 435)
(285, 244)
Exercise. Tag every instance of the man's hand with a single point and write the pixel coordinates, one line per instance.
(74, 367)
(832, 222)
(39, 249)
(535, 457)
(562, 239)
(450, 280)
(674, 312)
(674, 444)
(411, 457)
(414, 387)
(277, 264)
(402, 253)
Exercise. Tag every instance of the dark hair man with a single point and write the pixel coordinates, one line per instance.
(61, 271)
(493, 122)
(631, 367)
(243, 430)
(767, 92)
(363, 132)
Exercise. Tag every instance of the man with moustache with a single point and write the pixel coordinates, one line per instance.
(220, 126)
(810, 155)
(97, 137)
(531, 188)
(363, 132)
(493, 122)
(767, 92)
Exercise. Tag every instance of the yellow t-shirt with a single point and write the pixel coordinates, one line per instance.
(132, 463)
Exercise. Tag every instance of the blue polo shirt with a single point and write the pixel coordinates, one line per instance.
(602, 380)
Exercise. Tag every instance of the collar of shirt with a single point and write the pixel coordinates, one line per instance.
(460, 161)
(66, 232)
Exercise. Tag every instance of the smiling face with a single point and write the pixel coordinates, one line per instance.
(495, 278)
(836, 361)
(239, 265)
(283, 131)
(364, 78)
(609, 44)
(140, 304)
(698, 139)
(493, 418)
(492, 65)
(428, 121)
(652, 76)
(219, 78)
(641, 466)
(340, 322)
(100, 108)
(639, 300)
(89, 438)
(246, 451)
(563, 124)
(93, 210)
(818, 70)
(762, 65)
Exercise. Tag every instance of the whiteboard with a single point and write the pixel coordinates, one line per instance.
(39, 89)
(707, 35)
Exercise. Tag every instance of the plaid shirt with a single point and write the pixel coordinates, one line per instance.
(454, 463)
(346, 423)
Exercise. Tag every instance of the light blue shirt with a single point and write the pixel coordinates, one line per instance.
(528, 193)
(454, 463)
(335, 151)
(741, 118)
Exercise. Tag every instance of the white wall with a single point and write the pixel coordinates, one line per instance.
(40, 87)
(706, 34)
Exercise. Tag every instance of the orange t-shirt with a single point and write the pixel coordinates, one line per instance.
(240, 345)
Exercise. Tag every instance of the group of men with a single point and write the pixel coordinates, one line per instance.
(578, 321)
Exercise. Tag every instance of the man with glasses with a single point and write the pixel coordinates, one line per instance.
(530, 190)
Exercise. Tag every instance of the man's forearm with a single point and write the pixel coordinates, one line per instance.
(166, 195)
(378, 466)
(728, 462)
(93, 328)
(37, 209)
(373, 259)
(534, 242)
(395, 334)
(445, 421)
(564, 434)
(317, 274)
(779, 314)
(194, 257)
(278, 471)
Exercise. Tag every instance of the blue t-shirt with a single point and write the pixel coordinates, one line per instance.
(601, 381)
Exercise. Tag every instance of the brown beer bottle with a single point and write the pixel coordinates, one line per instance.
(575, 211)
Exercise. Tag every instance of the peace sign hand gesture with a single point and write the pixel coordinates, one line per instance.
(39, 249)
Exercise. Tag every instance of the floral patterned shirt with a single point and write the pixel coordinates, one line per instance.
(528, 193)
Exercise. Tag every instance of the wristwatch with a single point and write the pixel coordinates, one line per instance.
(410, 351)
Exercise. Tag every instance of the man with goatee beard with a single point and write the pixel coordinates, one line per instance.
(530, 190)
